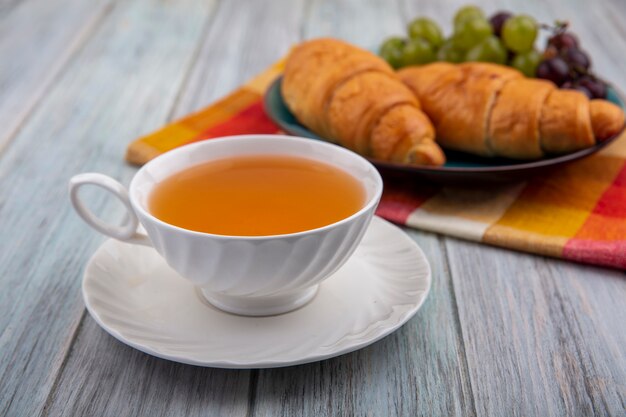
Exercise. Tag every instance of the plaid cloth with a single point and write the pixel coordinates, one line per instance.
(578, 212)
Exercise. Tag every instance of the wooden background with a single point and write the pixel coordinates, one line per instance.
(502, 333)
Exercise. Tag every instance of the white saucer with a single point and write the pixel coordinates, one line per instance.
(132, 293)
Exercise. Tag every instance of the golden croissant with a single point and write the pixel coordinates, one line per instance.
(352, 97)
(492, 110)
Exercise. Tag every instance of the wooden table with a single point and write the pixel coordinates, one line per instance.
(502, 333)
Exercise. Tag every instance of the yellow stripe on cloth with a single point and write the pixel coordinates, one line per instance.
(552, 209)
(525, 241)
(148, 147)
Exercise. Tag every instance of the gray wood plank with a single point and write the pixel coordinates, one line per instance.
(442, 12)
(419, 370)
(125, 78)
(6, 6)
(37, 40)
(238, 44)
(543, 337)
(363, 23)
(104, 377)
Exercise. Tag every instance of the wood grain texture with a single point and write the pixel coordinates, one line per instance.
(442, 12)
(37, 40)
(127, 76)
(244, 38)
(363, 23)
(552, 330)
(6, 6)
(104, 377)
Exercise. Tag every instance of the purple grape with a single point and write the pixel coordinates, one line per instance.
(509, 56)
(497, 21)
(563, 40)
(568, 85)
(550, 52)
(553, 69)
(577, 59)
(595, 86)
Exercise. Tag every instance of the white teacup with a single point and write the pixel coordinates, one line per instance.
(258, 275)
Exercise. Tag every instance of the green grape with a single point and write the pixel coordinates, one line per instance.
(519, 33)
(417, 51)
(468, 12)
(448, 52)
(456, 40)
(527, 62)
(392, 43)
(490, 49)
(471, 32)
(391, 51)
(427, 29)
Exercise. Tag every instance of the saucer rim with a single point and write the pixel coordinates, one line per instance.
(267, 364)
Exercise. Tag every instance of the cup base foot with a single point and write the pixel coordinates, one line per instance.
(261, 306)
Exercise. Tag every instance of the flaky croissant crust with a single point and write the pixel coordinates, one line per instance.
(493, 110)
(352, 97)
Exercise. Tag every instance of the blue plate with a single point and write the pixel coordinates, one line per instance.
(460, 167)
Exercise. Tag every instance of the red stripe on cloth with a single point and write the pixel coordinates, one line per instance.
(399, 200)
(601, 240)
(613, 200)
(251, 120)
(612, 254)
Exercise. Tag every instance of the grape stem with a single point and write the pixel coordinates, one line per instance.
(559, 26)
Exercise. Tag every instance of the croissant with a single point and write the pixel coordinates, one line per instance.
(352, 97)
(492, 110)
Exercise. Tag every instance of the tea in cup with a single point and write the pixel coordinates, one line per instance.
(257, 222)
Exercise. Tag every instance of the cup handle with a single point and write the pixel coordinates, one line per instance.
(127, 231)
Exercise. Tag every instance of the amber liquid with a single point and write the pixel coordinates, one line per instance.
(257, 196)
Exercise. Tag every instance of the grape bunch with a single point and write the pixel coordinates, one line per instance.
(568, 66)
(504, 39)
